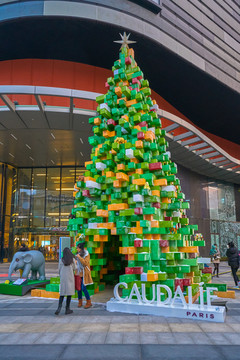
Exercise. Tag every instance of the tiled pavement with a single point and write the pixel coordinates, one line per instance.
(30, 330)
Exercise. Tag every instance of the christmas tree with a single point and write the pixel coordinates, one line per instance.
(130, 199)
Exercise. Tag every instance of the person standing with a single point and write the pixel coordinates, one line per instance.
(83, 266)
(66, 267)
(23, 248)
(233, 261)
(212, 251)
(216, 260)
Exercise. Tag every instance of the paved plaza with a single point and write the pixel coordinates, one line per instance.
(30, 330)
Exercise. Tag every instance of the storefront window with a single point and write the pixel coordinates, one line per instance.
(7, 189)
(53, 197)
(38, 209)
(67, 185)
(38, 197)
(1, 169)
(1, 194)
(24, 196)
(222, 201)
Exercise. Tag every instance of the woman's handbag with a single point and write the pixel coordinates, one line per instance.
(78, 281)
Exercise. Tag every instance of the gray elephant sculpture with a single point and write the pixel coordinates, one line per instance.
(27, 261)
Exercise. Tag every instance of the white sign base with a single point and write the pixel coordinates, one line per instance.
(194, 311)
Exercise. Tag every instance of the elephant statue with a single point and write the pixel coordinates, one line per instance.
(28, 260)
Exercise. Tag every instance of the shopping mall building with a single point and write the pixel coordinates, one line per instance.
(55, 58)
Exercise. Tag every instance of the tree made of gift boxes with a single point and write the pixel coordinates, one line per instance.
(130, 199)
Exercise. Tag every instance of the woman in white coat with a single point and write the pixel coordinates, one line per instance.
(66, 268)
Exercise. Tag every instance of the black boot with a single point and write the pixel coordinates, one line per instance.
(59, 305)
(68, 311)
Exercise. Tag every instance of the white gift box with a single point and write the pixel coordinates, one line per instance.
(154, 107)
(169, 188)
(144, 277)
(168, 153)
(129, 153)
(92, 225)
(138, 198)
(152, 129)
(105, 106)
(176, 214)
(100, 166)
(92, 185)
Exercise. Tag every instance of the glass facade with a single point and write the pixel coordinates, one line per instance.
(215, 208)
(36, 204)
(38, 197)
(7, 194)
(43, 203)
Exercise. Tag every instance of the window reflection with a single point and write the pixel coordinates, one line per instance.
(7, 191)
(24, 196)
(68, 180)
(43, 203)
(222, 202)
(53, 197)
(38, 197)
(39, 208)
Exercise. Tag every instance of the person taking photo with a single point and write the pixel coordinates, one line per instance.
(66, 267)
(83, 267)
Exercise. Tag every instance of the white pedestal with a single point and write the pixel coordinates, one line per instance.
(195, 312)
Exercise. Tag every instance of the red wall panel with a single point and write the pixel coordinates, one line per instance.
(42, 72)
(65, 74)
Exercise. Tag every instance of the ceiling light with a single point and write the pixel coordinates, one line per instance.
(81, 140)
(53, 135)
(81, 153)
(77, 170)
(41, 174)
(14, 136)
(28, 146)
(52, 161)
(56, 214)
(65, 189)
(1, 143)
(31, 158)
(11, 155)
(56, 150)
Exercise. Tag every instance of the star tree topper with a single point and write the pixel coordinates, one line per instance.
(125, 40)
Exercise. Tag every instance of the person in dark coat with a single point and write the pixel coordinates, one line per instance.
(233, 261)
(23, 248)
